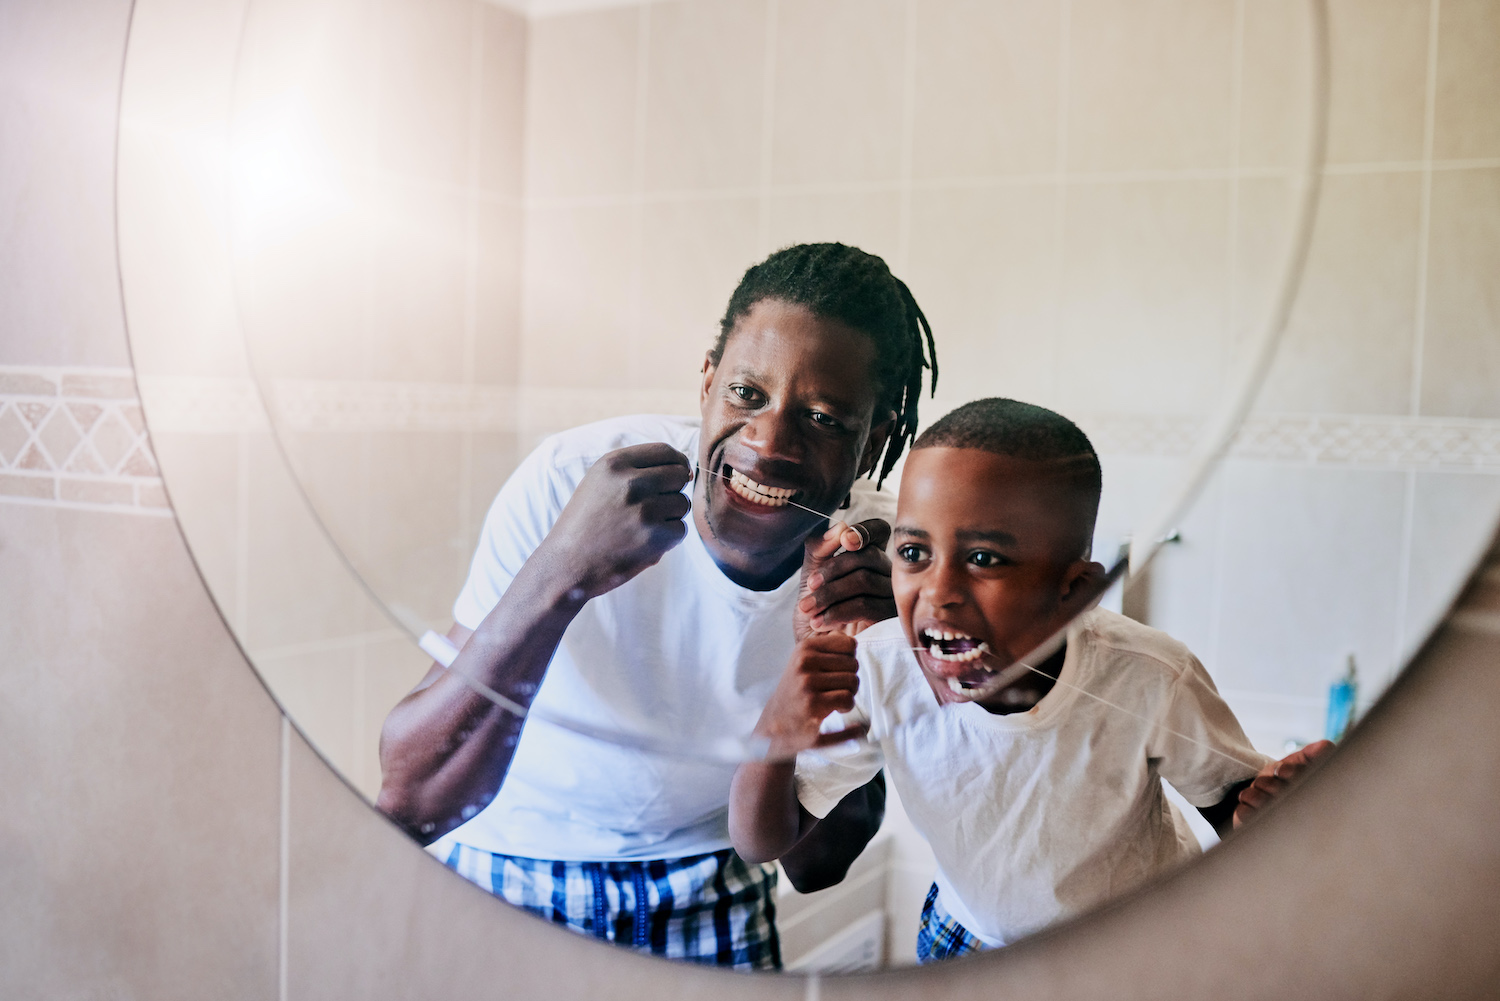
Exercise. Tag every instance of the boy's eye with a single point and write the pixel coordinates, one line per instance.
(985, 559)
(910, 554)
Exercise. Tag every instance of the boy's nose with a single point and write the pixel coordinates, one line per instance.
(943, 586)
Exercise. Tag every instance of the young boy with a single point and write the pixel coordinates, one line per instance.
(1041, 799)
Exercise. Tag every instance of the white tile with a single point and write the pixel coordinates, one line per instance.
(319, 690)
(839, 87)
(1312, 559)
(1145, 289)
(581, 103)
(1461, 343)
(1275, 88)
(983, 265)
(705, 94)
(497, 295)
(1149, 84)
(502, 94)
(986, 81)
(1454, 517)
(1377, 88)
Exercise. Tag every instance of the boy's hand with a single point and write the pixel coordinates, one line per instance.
(821, 679)
(1274, 779)
(846, 579)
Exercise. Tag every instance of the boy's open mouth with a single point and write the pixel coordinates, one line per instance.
(758, 493)
(960, 655)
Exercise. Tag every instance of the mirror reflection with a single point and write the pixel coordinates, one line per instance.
(465, 237)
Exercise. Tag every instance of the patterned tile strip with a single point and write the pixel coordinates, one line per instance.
(76, 438)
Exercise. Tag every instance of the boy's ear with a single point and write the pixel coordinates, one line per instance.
(709, 368)
(879, 435)
(1080, 579)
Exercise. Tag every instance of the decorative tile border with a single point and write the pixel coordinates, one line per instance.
(233, 405)
(75, 437)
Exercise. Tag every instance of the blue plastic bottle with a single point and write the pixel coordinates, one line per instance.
(1341, 698)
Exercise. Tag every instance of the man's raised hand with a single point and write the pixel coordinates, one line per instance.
(846, 579)
(1275, 778)
(624, 516)
(821, 678)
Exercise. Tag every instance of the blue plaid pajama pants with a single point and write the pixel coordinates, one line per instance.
(939, 936)
(714, 909)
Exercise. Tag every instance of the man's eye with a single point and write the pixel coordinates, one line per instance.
(823, 419)
(911, 554)
(746, 394)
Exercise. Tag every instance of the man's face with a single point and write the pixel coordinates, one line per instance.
(985, 563)
(786, 417)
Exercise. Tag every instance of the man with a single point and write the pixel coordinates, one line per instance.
(594, 595)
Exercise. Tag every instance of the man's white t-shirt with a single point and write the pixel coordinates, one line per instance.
(679, 650)
(1036, 816)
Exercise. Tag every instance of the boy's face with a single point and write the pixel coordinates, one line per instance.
(986, 563)
(787, 413)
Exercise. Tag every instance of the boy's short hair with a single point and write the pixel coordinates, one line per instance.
(1026, 431)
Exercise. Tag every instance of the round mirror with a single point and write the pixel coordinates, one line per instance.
(459, 230)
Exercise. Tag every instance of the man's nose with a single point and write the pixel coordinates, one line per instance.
(772, 435)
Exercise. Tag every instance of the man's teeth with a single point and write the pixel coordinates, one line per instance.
(758, 492)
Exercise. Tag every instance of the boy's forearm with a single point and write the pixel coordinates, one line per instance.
(765, 819)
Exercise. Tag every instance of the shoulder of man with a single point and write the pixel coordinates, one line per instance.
(585, 444)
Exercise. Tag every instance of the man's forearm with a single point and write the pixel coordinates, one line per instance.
(445, 748)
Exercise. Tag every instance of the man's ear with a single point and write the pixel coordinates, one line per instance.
(879, 435)
(709, 368)
(1080, 579)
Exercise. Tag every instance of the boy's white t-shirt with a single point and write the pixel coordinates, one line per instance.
(1037, 816)
(678, 650)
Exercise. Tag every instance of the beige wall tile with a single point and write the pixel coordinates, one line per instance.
(1461, 344)
(205, 497)
(426, 58)
(332, 469)
(869, 220)
(1149, 86)
(986, 88)
(298, 589)
(417, 297)
(1468, 81)
(1293, 541)
(1377, 92)
(59, 290)
(320, 689)
(139, 783)
(1275, 88)
(577, 312)
(372, 915)
(839, 86)
(1453, 517)
(391, 668)
(493, 456)
(497, 298)
(1145, 287)
(1348, 346)
(417, 553)
(693, 255)
(581, 103)
(501, 97)
(984, 268)
(704, 94)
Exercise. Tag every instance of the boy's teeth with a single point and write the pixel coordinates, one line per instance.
(758, 492)
(973, 653)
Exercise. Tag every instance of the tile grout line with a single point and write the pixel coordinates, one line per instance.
(638, 185)
(284, 853)
(1236, 119)
(767, 119)
(1403, 572)
(242, 533)
(471, 275)
(1424, 225)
